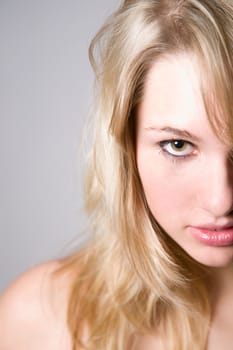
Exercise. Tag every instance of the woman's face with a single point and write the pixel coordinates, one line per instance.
(184, 168)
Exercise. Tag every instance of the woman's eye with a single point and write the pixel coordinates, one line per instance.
(177, 148)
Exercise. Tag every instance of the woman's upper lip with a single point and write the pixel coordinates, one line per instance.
(214, 227)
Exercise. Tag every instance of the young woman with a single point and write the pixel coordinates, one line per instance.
(158, 273)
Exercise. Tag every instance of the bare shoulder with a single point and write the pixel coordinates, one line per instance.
(148, 342)
(33, 310)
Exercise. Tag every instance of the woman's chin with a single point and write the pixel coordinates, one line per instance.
(215, 256)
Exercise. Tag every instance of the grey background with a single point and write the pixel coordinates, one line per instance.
(45, 95)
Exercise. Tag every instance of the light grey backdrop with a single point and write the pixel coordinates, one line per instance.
(45, 93)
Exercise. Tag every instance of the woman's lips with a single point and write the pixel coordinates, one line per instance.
(213, 237)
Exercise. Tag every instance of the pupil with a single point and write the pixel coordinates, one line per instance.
(179, 144)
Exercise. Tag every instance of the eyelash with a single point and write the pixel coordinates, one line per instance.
(174, 158)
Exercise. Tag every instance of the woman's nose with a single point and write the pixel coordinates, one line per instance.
(218, 188)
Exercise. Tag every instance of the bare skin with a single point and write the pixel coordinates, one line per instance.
(33, 313)
(221, 335)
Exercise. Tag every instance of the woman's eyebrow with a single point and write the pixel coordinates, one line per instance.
(175, 131)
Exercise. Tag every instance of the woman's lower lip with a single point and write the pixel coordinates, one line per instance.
(209, 237)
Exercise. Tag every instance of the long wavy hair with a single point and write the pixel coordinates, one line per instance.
(132, 278)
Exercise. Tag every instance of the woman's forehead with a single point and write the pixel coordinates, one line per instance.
(172, 90)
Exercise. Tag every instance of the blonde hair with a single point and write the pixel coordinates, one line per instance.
(132, 278)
